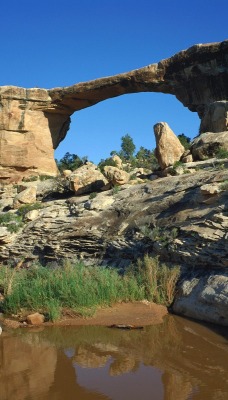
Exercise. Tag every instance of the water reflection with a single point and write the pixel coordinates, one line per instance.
(177, 360)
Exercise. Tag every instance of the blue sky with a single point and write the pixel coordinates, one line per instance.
(50, 43)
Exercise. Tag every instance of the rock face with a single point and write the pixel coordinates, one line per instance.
(194, 204)
(208, 144)
(183, 218)
(168, 147)
(215, 118)
(28, 135)
(204, 298)
(34, 121)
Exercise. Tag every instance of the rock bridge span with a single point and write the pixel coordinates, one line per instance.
(34, 121)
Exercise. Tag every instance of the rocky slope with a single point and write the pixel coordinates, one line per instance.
(183, 218)
(34, 121)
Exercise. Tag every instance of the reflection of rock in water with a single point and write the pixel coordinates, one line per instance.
(192, 360)
(87, 358)
(25, 371)
(177, 386)
(122, 365)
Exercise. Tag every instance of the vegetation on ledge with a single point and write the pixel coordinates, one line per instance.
(82, 288)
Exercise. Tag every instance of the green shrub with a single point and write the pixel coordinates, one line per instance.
(178, 164)
(45, 177)
(146, 159)
(185, 141)
(221, 153)
(11, 221)
(224, 185)
(70, 161)
(157, 234)
(32, 178)
(115, 189)
(92, 195)
(23, 210)
(107, 162)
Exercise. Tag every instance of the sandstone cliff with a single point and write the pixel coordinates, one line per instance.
(34, 121)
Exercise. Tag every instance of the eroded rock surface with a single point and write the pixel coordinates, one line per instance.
(204, 298)
(208, 145)
(34, 121)
(184, 219)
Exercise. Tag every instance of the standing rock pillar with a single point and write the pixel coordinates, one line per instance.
(28, 133)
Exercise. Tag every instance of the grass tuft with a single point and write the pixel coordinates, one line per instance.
(83, 288)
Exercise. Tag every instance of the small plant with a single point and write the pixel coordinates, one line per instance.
(106, 162)
(157, 234)
(92, 195)
(224, 185)
(11, 221)
(32, 178)
(45, 177)
(221, 153)
(185, 141)
(115, 189)
(23, 210)
(178, 164)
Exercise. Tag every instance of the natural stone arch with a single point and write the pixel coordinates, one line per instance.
(34, 121)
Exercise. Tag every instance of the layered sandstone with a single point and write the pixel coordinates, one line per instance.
(34, 121)
(183, 219)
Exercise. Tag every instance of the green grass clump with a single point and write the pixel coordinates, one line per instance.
(92, 195)
(161, 235)
(157, 280)
(23, 210)
(12, 222)
(224, 185)
(83, 288)
(221, 153)
(45, 177)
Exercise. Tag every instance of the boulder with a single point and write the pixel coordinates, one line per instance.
(7, 194)
(186, 157)
(35, 319)
(116, 176)
(118, 161)
(31, 215)
(87, 179)
(27, 196)
(204, 298)
(99, 203)
(168, 147)
(208, 144)
(66, 173)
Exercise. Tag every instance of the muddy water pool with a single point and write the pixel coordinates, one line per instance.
(176, 360)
